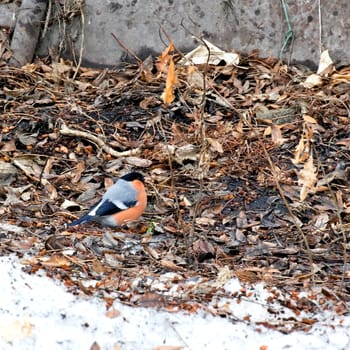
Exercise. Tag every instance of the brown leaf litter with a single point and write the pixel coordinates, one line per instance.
(215, 199)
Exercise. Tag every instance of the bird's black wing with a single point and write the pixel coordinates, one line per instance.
(109, 208)
(103, 208)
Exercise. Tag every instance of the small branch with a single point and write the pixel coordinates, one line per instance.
(66, 131)
(202, 167)
(121, 44)
(47, 20)
(82, 41)
(290, 211)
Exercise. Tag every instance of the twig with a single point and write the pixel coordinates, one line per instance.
(290, 212)
(338, 202)
(203, 144)
(345, 253)
(82, 41)
(170, 159)
(47, 20)
(122, 45)
(66, 131)
(179, 218)
(320, 26)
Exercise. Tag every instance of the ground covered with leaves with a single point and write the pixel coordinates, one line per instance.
(247, 173)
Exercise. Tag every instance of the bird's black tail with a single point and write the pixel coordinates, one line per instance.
(82, 220)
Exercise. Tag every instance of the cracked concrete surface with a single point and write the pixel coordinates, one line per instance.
(229, 24)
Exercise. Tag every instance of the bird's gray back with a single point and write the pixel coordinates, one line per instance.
(121, 191)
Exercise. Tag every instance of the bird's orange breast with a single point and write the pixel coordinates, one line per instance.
(136, 211)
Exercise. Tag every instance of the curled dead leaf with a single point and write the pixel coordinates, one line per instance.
(164, 58)
(206, 52)
(338, 174)
(202, 247)
(171, 265)
(67, 204)
(55, 261)
(302, 151)
(276, 135)
(29, 165)
(205, 221)
(171, 80)
(180, 154)
(307, 178)
(215, 145)
(139, 162)
(27, 139)
(309, 119)
(326, 65)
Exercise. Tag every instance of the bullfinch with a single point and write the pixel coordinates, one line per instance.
(125, 201)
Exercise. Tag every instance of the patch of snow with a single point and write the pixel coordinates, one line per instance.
(37, 312)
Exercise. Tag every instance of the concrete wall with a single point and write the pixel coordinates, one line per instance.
(229, 24)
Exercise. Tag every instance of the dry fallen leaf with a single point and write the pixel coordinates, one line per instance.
(312, 81)
(302, 151)
(215, 145)
(224, 275)
(7, 173)
(77, 172)
(205, 221)
(299, 154)
(30, 165)
(195, 77)
(113, 313)
(307, 178)
(326, 65)
(138, 162)
(321, 221)
(338, 174)
(180, 154)
(309, 119)
(170, 265)
(341, 77)
(163, 60)
(16, 330)
(203, 247)
(66, 204)
(276, 135)
(60, 71)
(54, 261)
(171, 80)
(206, 52)
(9, 146)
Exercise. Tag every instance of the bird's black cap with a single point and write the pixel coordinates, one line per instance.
(133, 176)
